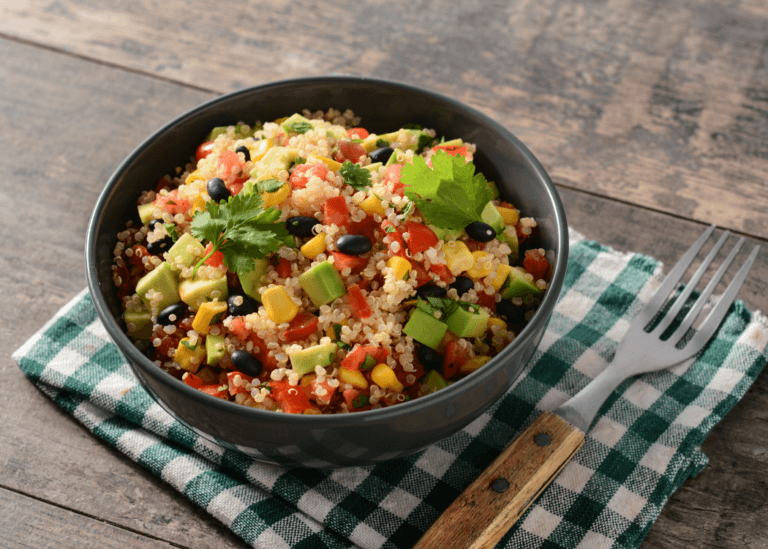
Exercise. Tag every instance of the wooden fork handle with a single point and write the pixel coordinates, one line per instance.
(485, 511)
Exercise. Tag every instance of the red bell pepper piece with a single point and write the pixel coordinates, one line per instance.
(420, 237)
(203, 150)
(301, 327)
(233, 390)
(422, 276)
(213, 390)
(345, 261)
(455, 356)
(335, 211)
(283, 268)
(357, 301)
(356, 356)
(192, 380)
(394, 238)
(442, 271)
(535, 263)
(292, 398)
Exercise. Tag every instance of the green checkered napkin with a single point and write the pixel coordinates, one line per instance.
(644, 445)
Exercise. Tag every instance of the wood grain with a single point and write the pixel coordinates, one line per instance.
(662, 105)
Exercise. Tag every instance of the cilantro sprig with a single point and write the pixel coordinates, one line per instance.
(445, 305)
(355, 176)
(299, 127)
(449, 195)
(241, 229)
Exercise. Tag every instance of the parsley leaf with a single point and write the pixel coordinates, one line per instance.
(450, 195)
(299, 160)
(382, 143)
(299, 127)
(268, 185)
(241, 229)
(355, 176)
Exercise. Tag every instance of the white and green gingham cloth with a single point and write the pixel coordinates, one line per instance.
(644, 445)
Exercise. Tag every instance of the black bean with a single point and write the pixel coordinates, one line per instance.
(243, 149)
(354, 244)
(381, 155)
(245, 362)
(301, 225)
(429, 358)
(172, 314)
(159, 246)
(510, 313)
(246, 307)
(482, 232)
(152, 224)
(462, 285)
(217, 190)
(431, 290)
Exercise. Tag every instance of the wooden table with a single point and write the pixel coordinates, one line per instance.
(651, 117)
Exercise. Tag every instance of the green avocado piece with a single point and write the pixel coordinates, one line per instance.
(518, 285)
(434, 381)
(493, 217)
(182, 249)
(239, 132)
(139, 324)
(510, 237)
(453, 143)
(392, 137)
(275, 160)
(322, 284)
(161, 279)
(468, 323)
(145, 212)
(290, 122)
(304, 361)
(251, 281)
(215, 348)
(425, 328)
(196, 291)
(393, 157)
(373, 167)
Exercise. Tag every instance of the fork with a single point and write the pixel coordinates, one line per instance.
(481, 514)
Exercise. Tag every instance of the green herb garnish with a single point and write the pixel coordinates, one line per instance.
(425, 140)
(299, 160)
(450, 195)
(355, 176)
(368, 364)
(360, 401)
(170, 228)
(299, 127)
(380, 143)
(241, 229)
(268, 185)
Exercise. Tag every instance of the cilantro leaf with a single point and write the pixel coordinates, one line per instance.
(299, 160)
(425, 140)
(355, 176)
(382, 143)
(268, 185)
(299, 127)
(241, 229)
(450, 195)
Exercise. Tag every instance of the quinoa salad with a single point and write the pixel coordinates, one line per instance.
(305, 265)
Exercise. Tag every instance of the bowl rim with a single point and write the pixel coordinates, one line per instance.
(445, 396)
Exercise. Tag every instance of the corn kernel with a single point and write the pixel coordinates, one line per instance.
(314, 247)
(511, 217)
(306, 380)
(493, 321)
(458, 258)
(502, 272)
(401, 267)
(372, 205)
(189, 357)
(198, 204)
(312, 412)
(332, 164)
(277, 197)
(279, 305)
(473, 364)
(207, 315)
(260, 149)
(194, 176)
(353, 377)
(384, 376)
(482, 265)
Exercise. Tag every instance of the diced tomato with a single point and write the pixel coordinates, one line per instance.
(442, 271)
(345, 261)
(488, 301)
(213, 390)
(237, 185)
(237, 327)
(292, 399)
(356, 399)
(301, 327)
(359, 133)
(322, 392)
(303, 172)
(163, 183)
(521, 236)
(139, 252)
(229, 166)
(422, 276)
(233, 389)
(349, 150)
(216, 259)
(366, 226)
(335, 211)
(535, 263)
(454, 357)
(171, 202)
(192, 380)
(357, 302)
(203, 150)
(392, 235)
(421, 237)
(356, 356)
(392, 177)
(452, 150)
(283, 268)
(269, 362)
(402, 375)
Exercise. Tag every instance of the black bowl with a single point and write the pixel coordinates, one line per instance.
(343, 439)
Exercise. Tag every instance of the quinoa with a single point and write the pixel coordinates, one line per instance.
(234, 343)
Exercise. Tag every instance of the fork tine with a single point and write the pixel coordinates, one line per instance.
(674, 276)
(690, 286)
(716, 316)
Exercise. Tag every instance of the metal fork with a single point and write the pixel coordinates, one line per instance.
(481, 514)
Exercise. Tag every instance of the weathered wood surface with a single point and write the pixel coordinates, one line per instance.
(653, 103)
(650, 116)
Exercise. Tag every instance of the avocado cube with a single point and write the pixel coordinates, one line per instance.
(434, 381)
(322, 284)
(392, 137)
(214, 348)
(273, 162)
(493, 217)
(518, 285)
(393, 157)
(289, 124)
(470, 322)
(146, 211)
(196, 291)
(251, 281)
(425, 328)
(187, 248)
(161, 279)
(453, 143)
(373, 167)
(304, 361)
(510, 237)
(139, 324)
